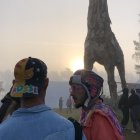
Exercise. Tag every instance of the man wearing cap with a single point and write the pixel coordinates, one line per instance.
(97, 119)
(34, 120)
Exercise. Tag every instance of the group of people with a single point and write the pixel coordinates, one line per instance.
(130, 107)
(34, 120)
(69, 104)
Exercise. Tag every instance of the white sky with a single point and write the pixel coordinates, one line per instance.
(55, 30)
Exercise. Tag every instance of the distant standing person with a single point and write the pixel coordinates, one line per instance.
(124, 107)
(134, 105)
(34, 120)
(61, 103)
(69, 104)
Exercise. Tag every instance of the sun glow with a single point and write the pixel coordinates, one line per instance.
(77, 64)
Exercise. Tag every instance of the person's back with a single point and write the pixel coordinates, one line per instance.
(133, 100)
(124, 107)
(36, 123)
(134, 104)
(138, 93)
(101, 122)
(123, 102)
(34, 120)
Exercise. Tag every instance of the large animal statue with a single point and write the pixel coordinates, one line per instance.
(102, 46)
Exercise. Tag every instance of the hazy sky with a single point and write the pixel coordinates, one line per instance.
(55, 30)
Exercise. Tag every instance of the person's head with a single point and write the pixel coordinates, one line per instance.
(30, 81)
(85, 86)
(133, 91)
(125, 91)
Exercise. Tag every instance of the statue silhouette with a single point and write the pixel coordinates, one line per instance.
(102, 46)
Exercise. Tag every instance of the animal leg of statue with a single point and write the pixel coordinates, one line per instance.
(121, 71)
(112, 85)
(88, 59)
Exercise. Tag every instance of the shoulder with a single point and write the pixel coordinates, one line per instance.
(54, 118)
(107, 128)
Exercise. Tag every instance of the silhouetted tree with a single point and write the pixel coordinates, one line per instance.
(136, 55)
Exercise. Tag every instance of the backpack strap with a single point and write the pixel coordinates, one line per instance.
(78, 128)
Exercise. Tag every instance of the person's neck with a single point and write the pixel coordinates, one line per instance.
(91, 104)
(31, 103)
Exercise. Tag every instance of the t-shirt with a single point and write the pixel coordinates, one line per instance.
(36, 123)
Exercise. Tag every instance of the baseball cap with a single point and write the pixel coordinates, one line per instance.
(89, 80)
(29, 74)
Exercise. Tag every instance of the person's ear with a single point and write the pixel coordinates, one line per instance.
(46, 83)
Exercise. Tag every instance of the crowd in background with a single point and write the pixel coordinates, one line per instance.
(130, 107)
(69, 104)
